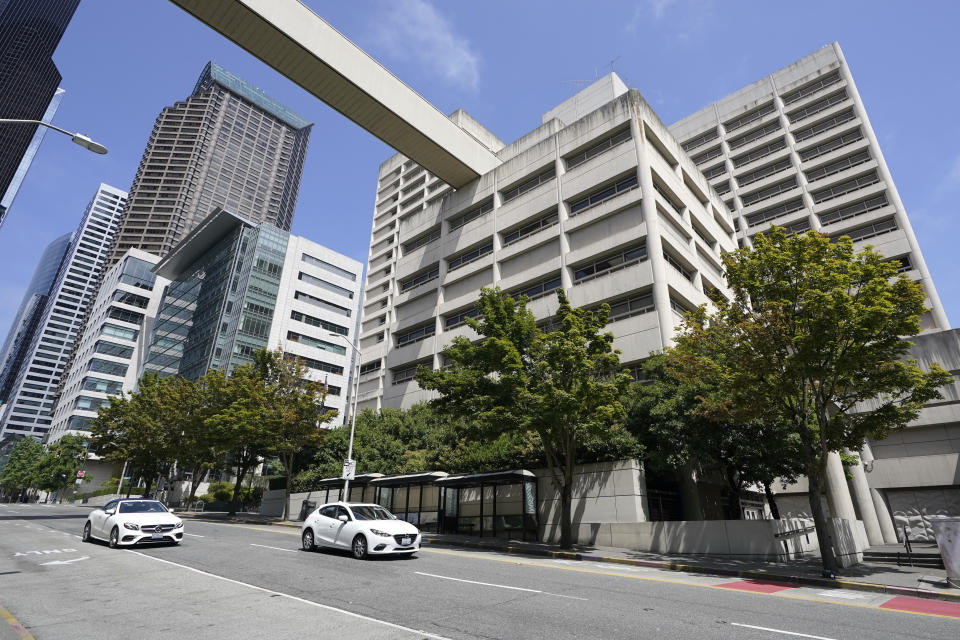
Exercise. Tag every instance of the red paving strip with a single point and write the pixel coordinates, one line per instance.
(923, 605)
(757, 586)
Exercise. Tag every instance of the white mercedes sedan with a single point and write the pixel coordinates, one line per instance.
(364, 529)
(133, 521)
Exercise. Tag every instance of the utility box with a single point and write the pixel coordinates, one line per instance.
(947, 533)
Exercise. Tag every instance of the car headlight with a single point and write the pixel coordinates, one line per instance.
(178, 524)
(131, 526)
(382, 534)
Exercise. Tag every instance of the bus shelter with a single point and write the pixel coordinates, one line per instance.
(495, 504)
(331, 489)
(413, 497)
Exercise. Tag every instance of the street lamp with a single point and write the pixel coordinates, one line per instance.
(353, 416)
(79, 138)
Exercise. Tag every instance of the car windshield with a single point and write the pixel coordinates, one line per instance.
(142, 507)
(371, 512)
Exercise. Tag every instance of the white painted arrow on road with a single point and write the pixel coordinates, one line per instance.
(66, 561)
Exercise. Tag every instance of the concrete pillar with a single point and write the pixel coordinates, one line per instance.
(884, 518)
(864, 503)
(838, 495)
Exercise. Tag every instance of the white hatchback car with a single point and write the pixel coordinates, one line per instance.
(133, 521)
(364, 529)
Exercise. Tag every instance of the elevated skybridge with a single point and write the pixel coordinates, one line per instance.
(298, 43)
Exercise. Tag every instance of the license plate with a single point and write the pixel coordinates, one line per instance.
(157, 535)
(405, 541)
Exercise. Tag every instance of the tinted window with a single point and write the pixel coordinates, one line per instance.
(372, 512)
(328, 512)
(142, 507)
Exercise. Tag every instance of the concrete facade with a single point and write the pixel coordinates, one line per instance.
(608, 206)
(796, 149)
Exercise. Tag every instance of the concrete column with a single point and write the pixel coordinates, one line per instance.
(661, 292)
(838, 495)
(884, 518)
(864, 503)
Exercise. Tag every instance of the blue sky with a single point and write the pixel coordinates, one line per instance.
(505, 63)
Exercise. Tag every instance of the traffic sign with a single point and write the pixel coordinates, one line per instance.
(349, 469)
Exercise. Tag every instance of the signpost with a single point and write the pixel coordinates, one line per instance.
(349, 469)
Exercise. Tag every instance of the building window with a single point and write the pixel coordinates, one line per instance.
(602, 195)
(401, 376)
(611, 263)
(416, 335)
(458, 221)
(107, 367)
(826, 125)
(117, 331)
(747, 118)
(431, 236)
(700, 140)
(316, 343)
(766, 193)
(370, 367)
(317, 302)
(531, 228)
(831, 145)
(539, 289)
(113, 349)
(469, 256)
(810, 89)
(763, 172)
(855, 209)
(632, 306)
(774, 212)
(817, 107)
(707, 155)
(868, 231)
(715, 172)
(457, 319)
(419, 279)
(323, 264)
(600, 147)
(756, 134)
(317, 365)
(86, 403)
(845, 187)
(323, 284)
(317, 322)
(679, 266)
(110, 387)
(527, 185)
(839, 165)
(125, 315)
(760, 152)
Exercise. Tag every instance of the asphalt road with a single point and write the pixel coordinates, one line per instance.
(245, 581)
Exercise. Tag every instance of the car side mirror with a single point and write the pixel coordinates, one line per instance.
(109, 512)
(343, 518)
(171, 510)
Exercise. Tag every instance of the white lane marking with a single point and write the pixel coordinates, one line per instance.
(194, 535)
(786, 633)
(269, 547)
(303, 600)
(842, 594)
(66, 561)
(499, 586)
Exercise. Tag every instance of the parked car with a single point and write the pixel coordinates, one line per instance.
(133, 521)
(364, 529)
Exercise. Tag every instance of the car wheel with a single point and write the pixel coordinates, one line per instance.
(308, 544)
(86, 532)
(114, 538)
(359, 547)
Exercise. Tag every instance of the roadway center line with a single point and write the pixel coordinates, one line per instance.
(295, 598)
(786, 633)
(499, 586)
(277, 548)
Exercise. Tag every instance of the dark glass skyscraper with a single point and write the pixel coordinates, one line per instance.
(30, 31)
(227, 145)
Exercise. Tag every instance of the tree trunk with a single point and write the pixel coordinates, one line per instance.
(195, 479)
(821, 522)
(772, 501)
(735, 512)
(566, 524)
(241, 472)
(288, 463)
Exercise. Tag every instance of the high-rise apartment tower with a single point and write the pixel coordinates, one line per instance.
(227, 145)
(30, 31)
(30, 403)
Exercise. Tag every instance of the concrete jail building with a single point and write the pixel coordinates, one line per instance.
(606, 201)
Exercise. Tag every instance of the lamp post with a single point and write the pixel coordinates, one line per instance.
(353, 416)
(79, 138)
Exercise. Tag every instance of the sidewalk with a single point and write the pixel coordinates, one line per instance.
(872, 577)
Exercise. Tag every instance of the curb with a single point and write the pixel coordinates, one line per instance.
(676, 566)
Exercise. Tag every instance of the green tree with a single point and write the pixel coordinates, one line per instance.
(563, 385)
(136, 428)
(816, 333)
(20, 472)
(57, 468)
(291, 410)
(688, 422)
